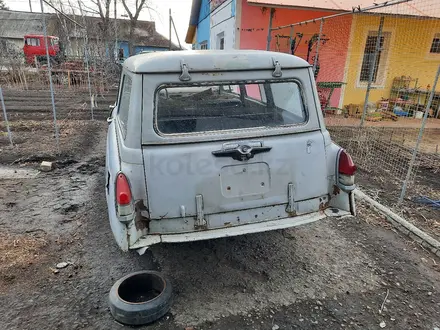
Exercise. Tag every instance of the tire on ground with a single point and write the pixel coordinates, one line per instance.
(140, 298)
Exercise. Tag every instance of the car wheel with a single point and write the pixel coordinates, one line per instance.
(140, 298)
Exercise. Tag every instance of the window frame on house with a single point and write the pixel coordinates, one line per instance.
(204, 45)
(435, 44)
(220, 42)
(381, 58)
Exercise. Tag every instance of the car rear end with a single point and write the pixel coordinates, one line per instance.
(223, 155)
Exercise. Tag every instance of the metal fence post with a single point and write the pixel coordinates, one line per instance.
(86, 55)
(86, 51)
(372, 65)
(419, 138)
(315, 62)
(5, 116)
(269, 30)
(291, 39)
(49, 71)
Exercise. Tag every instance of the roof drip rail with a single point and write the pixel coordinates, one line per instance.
(185, 76)
(277, 73)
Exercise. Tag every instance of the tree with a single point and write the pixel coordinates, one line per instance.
(102, 9)
(3, 5)
(139, 6)
(86, 8)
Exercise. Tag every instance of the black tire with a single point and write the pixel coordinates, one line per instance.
(140, 298)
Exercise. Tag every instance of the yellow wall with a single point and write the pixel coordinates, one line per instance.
(408, 54)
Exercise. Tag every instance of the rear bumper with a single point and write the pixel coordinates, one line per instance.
(149, 240)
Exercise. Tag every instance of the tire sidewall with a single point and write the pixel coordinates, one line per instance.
(140, 313)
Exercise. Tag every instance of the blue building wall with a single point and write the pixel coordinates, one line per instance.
(203, 25)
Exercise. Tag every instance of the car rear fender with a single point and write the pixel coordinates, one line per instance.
(340, 199)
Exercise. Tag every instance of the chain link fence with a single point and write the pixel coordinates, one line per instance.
(47, 109)
(376, 71)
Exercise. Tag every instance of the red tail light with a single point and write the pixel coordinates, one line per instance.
(123, 192)
(346, 165)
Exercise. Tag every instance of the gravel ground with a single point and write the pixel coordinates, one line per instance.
(355, 273)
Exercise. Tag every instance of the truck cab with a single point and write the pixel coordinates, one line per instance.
(35, 48)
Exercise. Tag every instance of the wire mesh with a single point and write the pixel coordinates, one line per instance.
(26, 87)
(385, 70)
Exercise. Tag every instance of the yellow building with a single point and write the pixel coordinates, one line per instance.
(405, 65)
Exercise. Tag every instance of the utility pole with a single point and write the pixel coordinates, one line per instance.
(170, 27)
(30, 5)
(175, 31)
(116, 35)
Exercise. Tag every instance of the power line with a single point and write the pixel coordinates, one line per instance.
(62, 14)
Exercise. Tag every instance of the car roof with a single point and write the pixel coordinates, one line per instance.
(211, 60)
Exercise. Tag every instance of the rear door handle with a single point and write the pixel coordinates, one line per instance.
(241, 153)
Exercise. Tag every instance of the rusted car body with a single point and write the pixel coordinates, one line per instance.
(208, 144)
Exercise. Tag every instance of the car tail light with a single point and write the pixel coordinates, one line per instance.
(124, 204)
(346, 169)
(346, 164)
(123, 192)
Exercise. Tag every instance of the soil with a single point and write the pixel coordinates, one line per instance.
(354, 273)
(383, 156)
(387, 191)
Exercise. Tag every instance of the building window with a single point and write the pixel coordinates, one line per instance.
(435, 46)
(369, 51)
(204, 45)
(221, 40)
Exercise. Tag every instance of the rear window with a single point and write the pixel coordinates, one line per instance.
(195, 109)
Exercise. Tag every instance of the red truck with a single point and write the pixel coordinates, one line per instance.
(35, 49)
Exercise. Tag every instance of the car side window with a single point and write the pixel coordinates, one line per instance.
(124, 105)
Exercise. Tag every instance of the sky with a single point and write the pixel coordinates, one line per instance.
(180, 10)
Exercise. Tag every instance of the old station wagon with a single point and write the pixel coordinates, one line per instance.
(208, 144)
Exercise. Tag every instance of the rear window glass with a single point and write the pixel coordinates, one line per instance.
(194, 109)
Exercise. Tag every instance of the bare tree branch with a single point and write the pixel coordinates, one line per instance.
(89, 9)
(3, 5)
(127, 10)
(134, 16)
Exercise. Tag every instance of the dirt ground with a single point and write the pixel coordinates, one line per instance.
(386, 190)
(355, 273)
(383, 156)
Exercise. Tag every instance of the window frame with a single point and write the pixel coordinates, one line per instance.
(435, 38)
(376, 65)
(278, 130)
(121, 123)
(220, 37)
(204, 45)
(383, 64)
(32, 41)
